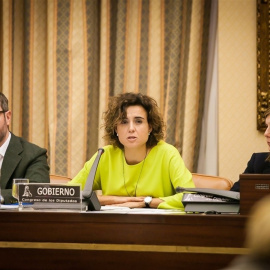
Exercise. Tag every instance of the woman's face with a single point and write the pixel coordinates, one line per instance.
(267, 131)
(133, 131)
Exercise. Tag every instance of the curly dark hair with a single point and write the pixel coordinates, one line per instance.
(117, 108)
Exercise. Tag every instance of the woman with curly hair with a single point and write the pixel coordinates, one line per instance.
(138, 169)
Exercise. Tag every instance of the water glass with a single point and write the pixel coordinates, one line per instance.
(15, 186)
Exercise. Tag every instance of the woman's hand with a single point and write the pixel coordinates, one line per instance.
(118, 200)
(131, 202)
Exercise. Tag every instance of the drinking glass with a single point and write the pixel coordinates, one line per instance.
(15, 186)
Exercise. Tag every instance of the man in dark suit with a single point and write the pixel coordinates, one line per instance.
(18, 158)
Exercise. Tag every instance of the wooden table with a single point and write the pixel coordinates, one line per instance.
(66, 240)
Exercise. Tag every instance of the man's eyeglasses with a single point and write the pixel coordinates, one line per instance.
(3, 111)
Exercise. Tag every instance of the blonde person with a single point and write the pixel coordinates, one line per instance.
(257, 239)
(138, 169)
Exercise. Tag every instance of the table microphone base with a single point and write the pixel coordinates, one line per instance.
(92, 202)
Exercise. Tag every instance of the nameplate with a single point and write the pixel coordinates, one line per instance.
(34, 193)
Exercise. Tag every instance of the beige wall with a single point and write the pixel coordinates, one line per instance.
(238, 136)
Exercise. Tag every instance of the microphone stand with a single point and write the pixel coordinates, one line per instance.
(89, 197)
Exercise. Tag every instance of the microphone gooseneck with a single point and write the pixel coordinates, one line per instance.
(91, 176)
(90, 197)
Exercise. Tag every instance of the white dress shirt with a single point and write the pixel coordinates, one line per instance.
(3, 149)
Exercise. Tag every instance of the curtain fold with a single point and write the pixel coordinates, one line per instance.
(62, 60)
(208, 156)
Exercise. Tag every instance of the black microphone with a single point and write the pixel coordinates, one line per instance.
(89, 197)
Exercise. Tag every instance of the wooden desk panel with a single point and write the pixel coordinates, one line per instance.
(253, 187)
(43, 240)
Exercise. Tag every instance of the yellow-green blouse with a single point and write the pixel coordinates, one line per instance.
(157, 176)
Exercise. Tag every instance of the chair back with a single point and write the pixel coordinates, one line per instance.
(59, 179)
(209, 181)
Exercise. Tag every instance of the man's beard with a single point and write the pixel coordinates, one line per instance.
(2, 136)
(3, 132)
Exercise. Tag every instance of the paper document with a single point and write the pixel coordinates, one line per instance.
(127, 210)
(8, 206)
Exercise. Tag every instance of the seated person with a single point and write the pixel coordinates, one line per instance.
(259, 162)
(138, 169)
(18, 158)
